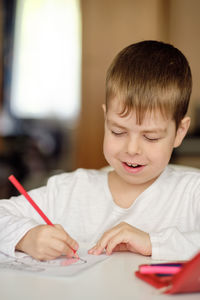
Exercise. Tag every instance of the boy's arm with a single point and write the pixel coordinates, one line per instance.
(168, 244)
(17, 217)
(19, 231)
(171, 244)
(180, 242)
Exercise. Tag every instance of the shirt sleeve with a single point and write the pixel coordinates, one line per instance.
(17, 217)
(172, 243)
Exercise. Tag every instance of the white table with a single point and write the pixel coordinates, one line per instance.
(111, 279)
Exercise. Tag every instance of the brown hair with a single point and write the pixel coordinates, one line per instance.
(150, 75)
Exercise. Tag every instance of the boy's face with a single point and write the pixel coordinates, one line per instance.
(139, 153)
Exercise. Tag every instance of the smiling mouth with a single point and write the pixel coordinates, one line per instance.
(133, 165)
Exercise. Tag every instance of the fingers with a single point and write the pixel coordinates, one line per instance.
(62, 235)
(45, 242)
(114, 243)
(56, 250)
(108, 241)
(123, 237)
(64, 243)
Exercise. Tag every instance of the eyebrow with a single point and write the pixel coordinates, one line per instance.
(150, 130)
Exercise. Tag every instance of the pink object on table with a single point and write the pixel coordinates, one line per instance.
(150, 269)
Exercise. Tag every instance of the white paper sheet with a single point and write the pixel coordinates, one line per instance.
(57, 267)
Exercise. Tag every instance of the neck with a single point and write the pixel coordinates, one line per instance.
(124, 194)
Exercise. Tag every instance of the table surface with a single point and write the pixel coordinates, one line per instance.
(111, 279)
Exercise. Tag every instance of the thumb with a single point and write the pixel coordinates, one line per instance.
(67, 238)
(59, 227)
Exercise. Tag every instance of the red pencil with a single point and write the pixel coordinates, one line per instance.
(20, 188)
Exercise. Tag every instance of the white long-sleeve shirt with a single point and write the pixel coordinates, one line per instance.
(169, 210)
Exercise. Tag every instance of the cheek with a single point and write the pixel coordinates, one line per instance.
(110, 146)
(107, 147)
(106, 151)
(161, 153)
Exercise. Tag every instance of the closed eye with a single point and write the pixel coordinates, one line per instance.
(116, 133)
(151, 139)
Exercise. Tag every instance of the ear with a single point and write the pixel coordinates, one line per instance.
(181, 131)
(104, 109)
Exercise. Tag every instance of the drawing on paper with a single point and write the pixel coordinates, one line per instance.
(28, 263)
(61, 266)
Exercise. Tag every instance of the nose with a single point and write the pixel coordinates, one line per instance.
(133, 146)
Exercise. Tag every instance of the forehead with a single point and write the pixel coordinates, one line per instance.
(152, 118)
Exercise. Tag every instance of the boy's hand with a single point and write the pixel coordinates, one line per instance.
(46, 242)
(123, 237)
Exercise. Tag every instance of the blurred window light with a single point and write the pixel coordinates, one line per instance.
(46, 71)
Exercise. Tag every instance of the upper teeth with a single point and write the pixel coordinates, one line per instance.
(132, 165)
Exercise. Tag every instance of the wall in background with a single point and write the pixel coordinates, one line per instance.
(184, 32)
(1, 52)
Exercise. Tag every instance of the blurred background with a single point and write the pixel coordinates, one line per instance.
(54, 55)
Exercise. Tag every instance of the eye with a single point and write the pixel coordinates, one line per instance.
(152, 139)
(116, 133)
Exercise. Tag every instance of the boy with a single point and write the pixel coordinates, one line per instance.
(142, 205)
